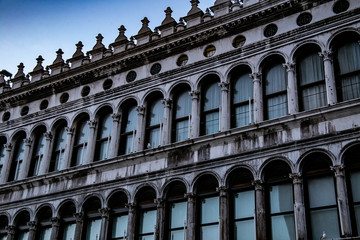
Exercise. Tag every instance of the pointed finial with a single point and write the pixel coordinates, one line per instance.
(121, 36)
(145, 21)
(145, 27)
(207, 11)
(78, 51)
(20, 72)
(99, 44)
(168, 18)
(194, 7)
(39, 64)
(59, 58)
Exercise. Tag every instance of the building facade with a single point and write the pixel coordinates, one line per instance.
(240, 122)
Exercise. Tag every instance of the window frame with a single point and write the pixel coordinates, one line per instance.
(176, 120)
(82, 145)
(204, 113)
(56, 159)
(99, 140)
(151, 128)
(124, 135)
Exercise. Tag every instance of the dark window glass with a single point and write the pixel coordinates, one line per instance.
(104, 137)
(209, 51)
(24, 111)
(129, 130)
(242, 100)
(38, 153)
(64, 98)
(85, 91)
(182, 60)
(239, 41)
(182, 108)
(6, 116)
(18, 158)
(155, 123)
(81, 141)
(107, 84)
(44, 104)
(58, 149)
(211, 107)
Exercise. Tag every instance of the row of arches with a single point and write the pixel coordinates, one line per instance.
(281, 204)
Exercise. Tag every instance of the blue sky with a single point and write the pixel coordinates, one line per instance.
(29, 28)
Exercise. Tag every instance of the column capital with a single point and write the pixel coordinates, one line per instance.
(159, 202)
(167, 102)
(79, 217)
(55, 222)
(289, 66)
(105, 212)
(8, 147)
(255, 76)
(92, 123)
(10, 229)
(32, 225)
(224, 86)
(48, 136)
(69, 130)
(131, 207)
(338, 170)
(27, 141)
(140, 110)
(194, 94)
(190, 195)
(116, 117)
(326, 55)
(296, 177)
(258, 184)
(223, 191)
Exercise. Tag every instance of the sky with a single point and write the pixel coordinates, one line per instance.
(29, 28)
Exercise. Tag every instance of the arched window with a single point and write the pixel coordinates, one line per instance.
(37, 151)
(176, 205)
(21, 225)
(321, 198)
(18, 157)
(43, 230)
(81, 141)
(211, 100)
(242, 97)
(181, 115)
(310, 70)
(68, 224)
(2, 152)
(154, 126)
(4, 222)
(242, 205)
(147, 214)
(275, 85)
(59, 145)
(280, 212)
(104, 136)
(208, 208)
(92, 221)
(128, 128)
(352, 167)
(119, 216)
(347, 68)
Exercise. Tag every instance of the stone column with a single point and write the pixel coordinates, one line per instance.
(191, 216)
(68, 148)
(32, 230)
(225, 107)
(160, 219)
(45, 162)
(10, 232)
(79, 225)
(4, 175)
(115, 136)
(105, 212)
(292, 93)
(166, 128)
(329, 77)
(195, 115)
(131, 221)
(140, 133)
(299, 207)
(258, 98)
(55, 224)
(260, 217)
(224, 214)
(24, 170)
(342, 201)
(91, 145)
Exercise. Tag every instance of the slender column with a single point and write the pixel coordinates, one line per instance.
(26, 159)
(105, 212)
(90, 149)
(131, 221)
(224, 214)
(4, 175)
(160, 219)
(55, 224)
(260, 210)
(293, 100)
(115, 136)
(225, 107)
(45, 162)
(68, 147)
(329, 77)
(79, 225)
(342, 200)
(140, 133)
(32, 230)
(166, 128)
(299, 207)
(10, 232)
(258, 98)
(191, 216)
(195, 114)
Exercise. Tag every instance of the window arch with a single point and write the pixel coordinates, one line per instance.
(147, 213)
(58, 149)
(18, 156)
(275, 86)
(128, 127)
(81, 141)
(320, 197)
(2, 153)
(21, 225)
(279, 193)
(242, 205)
(119, 216)
(347, 66)
(181, 114)
(92, 218)
(103, 139)
(43, 230)
(68, 222)
(311, 78)
(210, 105)
(4, 222)
(241, 97)
(38, 149)
(154, 122)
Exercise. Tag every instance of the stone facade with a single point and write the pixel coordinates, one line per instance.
(237, 123)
